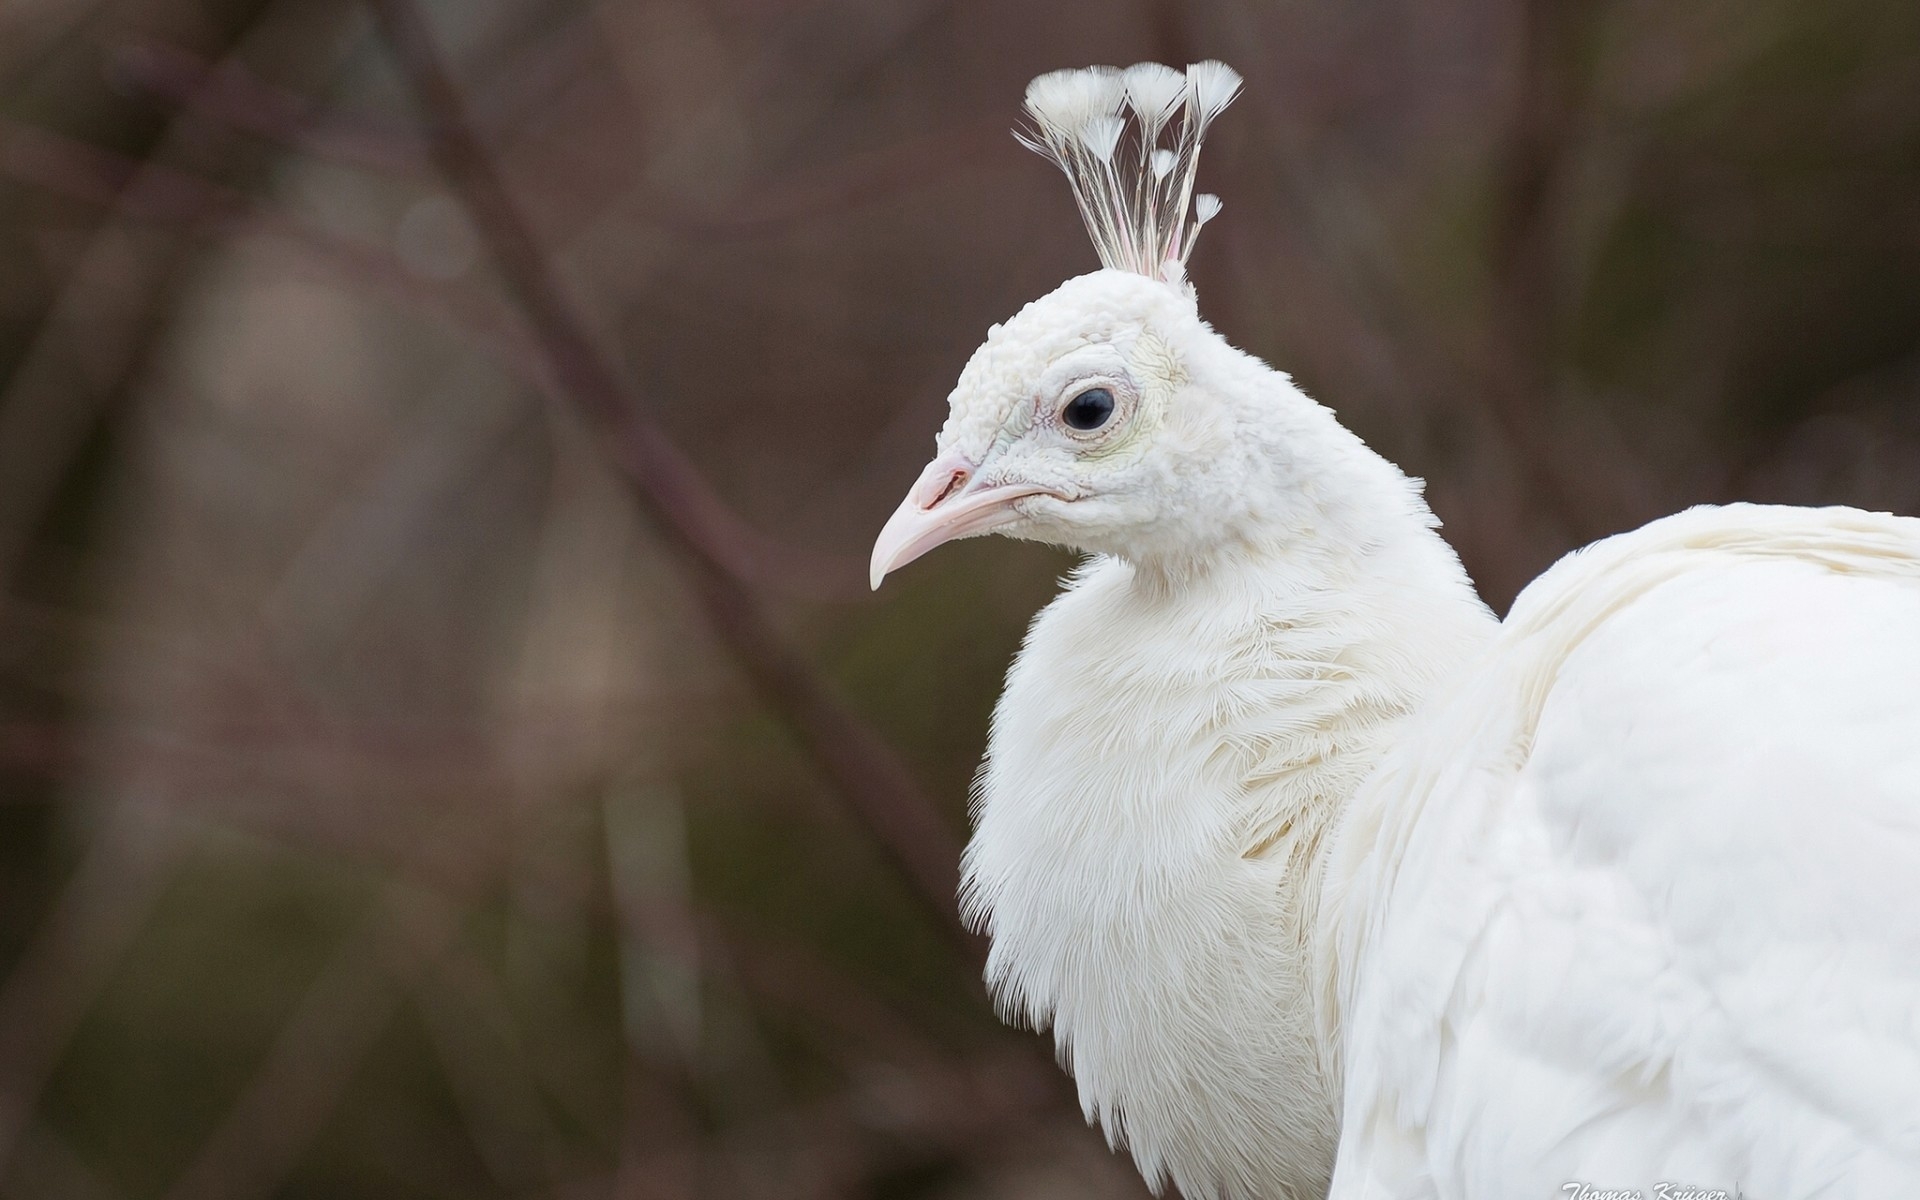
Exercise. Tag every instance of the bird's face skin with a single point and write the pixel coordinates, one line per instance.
(1077, 423)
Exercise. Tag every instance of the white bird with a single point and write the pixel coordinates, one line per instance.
(1324, 878)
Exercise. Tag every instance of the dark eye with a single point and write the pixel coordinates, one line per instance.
(1089, 410)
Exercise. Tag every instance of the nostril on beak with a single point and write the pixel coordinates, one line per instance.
(955, 482)
(944, 479)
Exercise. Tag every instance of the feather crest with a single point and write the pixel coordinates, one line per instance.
(1135, 193)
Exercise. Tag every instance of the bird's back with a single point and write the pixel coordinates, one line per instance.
(1637, 908)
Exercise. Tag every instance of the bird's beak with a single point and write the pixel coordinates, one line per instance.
(945, 503)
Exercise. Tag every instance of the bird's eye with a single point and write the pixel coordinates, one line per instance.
(1089, 410)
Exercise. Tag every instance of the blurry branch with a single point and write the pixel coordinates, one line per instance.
(87, 344)
(409, 945)
(804, 985)
(1546, 95)
(905, 1097)
(660, 962)
(107, 901)
(75, 951)
(866, 771)
(896, 1118)
(31, 35)
(230, 95)
(494, 1080)
(148, 192)
(920, 162)
(106, 314)
(310, 755)
(1588, 498)
(312, 1061)
(318, 1050)
(93, 338)
(651, 881)
(44, 1165)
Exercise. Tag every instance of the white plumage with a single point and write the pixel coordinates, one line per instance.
(1323, 878)
(1636, 902)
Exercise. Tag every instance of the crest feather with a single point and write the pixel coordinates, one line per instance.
(1135, 192)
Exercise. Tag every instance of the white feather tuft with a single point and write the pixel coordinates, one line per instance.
(1135, 193)
(1153, 91)
(1108, 86)
(1214, 85)
(1060, 101)
(1101, 136)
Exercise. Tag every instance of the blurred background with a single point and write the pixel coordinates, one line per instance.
(446, 745)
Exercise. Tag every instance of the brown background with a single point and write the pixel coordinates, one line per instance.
(446, 746)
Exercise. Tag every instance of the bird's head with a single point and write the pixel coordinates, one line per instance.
(1086, 421)
(1102, 416)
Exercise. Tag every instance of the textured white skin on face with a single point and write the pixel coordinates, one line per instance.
(1273, 808)
(1099, 329)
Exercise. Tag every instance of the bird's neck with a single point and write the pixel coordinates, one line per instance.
(1176, 739)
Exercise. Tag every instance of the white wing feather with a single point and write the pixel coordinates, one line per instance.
(1639, 906)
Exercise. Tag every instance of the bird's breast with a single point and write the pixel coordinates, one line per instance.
(1145, 785)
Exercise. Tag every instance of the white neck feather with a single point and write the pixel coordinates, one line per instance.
(1175, 741)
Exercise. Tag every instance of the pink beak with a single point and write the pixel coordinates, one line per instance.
(945, 503)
